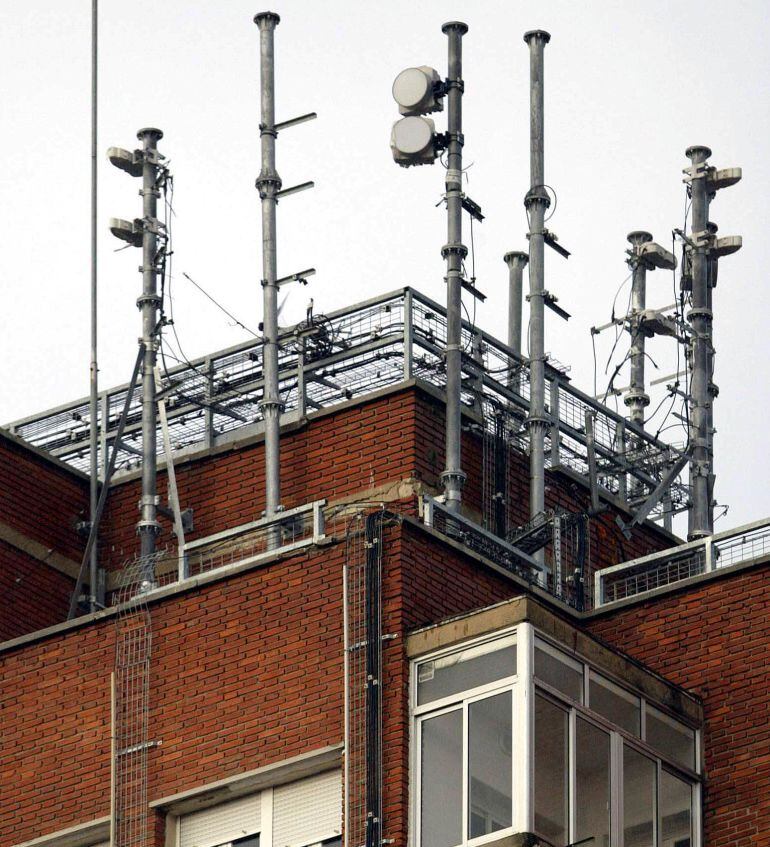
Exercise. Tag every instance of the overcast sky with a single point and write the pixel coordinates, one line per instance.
(628, 87)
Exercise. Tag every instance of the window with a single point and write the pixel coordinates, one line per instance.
(607, 768)
(465, 670)
(612, 702)
(465, 741)
(559, 671)
(670, 736)
(304, 813)
(551, 770)
(640, 799)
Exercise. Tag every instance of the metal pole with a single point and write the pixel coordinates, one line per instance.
(268, 184)
(94, 592)
(701, 516)
(149, 303)
(636, 399)
(454, 251)
(536, 202)
(516, 262)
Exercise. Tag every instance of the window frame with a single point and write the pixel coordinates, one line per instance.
(460, 702)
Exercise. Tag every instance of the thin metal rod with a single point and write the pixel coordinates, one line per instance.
(269, 185)
(516, 262)
(105, 484)
(96, 596)
(636, 399)
(536, 202)
(454, 251)
(149, 303)
(701, 522)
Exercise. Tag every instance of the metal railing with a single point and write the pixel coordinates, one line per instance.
(639, 577)
(249, 543)
(329, 360)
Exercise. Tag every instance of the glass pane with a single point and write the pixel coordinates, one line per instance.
(559, 671)
(592, 784)
(672, 738)
(441, 778)
(551, 771)
(613, 703)
(490, 765)
(466, 669)
(639, 796)
(676, 811)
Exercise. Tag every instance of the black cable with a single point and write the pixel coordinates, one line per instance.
(219, 305)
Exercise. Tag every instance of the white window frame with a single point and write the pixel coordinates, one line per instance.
(460, 702)
(523, 686)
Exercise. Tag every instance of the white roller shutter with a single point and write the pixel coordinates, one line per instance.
(221, 824)
(307, 811)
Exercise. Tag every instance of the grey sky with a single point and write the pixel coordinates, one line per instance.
(628, 87)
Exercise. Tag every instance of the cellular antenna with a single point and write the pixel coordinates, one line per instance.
(644, 255)
(148, 233)
(703, 249)
(414, 141)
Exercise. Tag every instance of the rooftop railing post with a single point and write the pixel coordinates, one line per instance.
(208, 412)
(408, 335)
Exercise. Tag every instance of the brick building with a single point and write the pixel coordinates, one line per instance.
(369, 668)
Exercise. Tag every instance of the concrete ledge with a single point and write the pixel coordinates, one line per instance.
(80, 835)
(269, 776)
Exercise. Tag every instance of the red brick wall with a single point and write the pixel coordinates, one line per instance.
(44, 502)
(714, 640)
(245, 672)
(334, 456)
(34, 595)
(41, 500)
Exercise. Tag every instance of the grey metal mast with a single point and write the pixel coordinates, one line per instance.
(96, 597)
(516, 262)
(269, 184)
(701, 522)
(454, 251)
(149, 304)
(637, 399)
(536, 202)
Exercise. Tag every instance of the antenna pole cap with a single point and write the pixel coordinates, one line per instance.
(639, 236)
(267, 20)
(454, 26)
(150, 132)
(544, 36)
(698, 151)
(514, 257)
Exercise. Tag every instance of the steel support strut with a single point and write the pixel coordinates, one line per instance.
(701, 521)
(269, 184)
(149, 304)
(536, 203)
(454, 251)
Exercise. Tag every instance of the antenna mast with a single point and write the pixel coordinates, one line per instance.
(454, 251)
(96, 594)
(704, 249)
(269, 184)
(536, 202)
(516, 262)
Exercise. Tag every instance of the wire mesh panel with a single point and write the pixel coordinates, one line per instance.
(363, 662)
(327, 360)
(131, 704)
